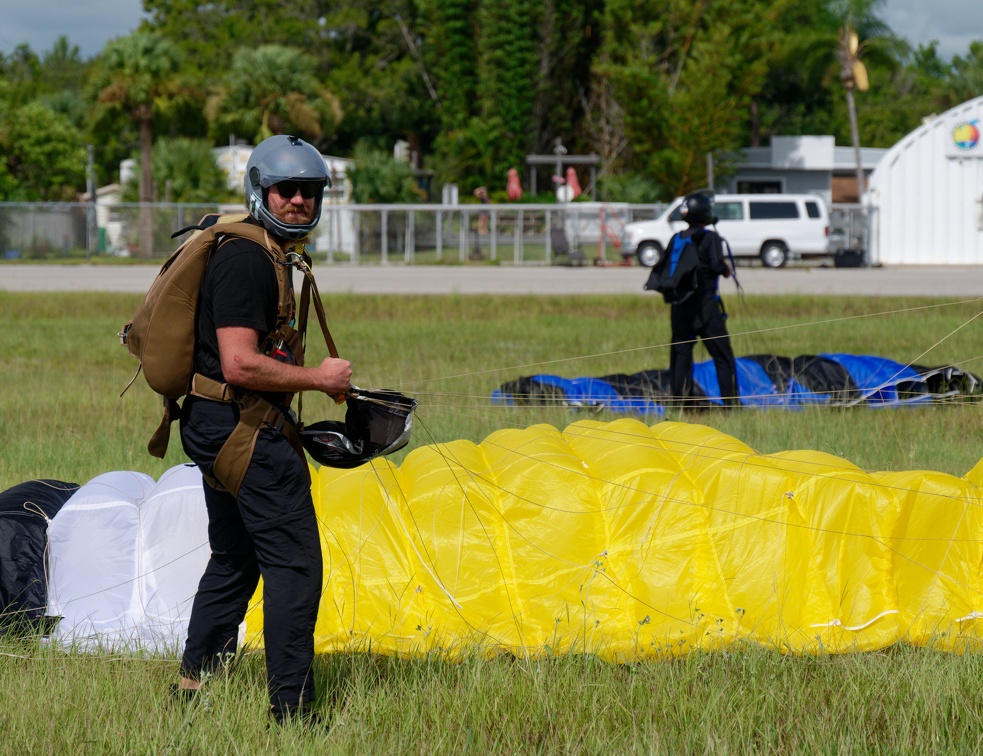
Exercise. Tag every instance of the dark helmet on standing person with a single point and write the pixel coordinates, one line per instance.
(283, 158)
(697, 208)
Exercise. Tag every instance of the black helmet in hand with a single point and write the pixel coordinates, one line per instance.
(376, 423)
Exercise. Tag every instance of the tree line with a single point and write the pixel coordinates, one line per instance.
(472, 87)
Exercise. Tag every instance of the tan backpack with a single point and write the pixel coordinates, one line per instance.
(161, 334)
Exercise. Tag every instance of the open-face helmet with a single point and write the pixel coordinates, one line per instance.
(376, 423)
(697, 208)
(283, 158)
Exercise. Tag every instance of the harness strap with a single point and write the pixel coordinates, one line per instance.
(255, 413)
(209, 388)
(157, 446)
(309, 293)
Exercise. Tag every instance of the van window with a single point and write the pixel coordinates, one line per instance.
(773, 210)
(676, 216)
(759, 187)
(813, 209)
(728, 210)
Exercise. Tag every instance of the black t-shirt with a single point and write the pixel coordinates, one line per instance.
(239, 288)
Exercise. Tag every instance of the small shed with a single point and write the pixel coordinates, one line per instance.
(926, 195)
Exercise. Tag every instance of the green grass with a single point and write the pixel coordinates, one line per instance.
(61, 417)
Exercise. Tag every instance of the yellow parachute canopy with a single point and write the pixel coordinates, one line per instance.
(629, 541)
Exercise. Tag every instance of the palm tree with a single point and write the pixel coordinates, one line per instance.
(271, 90)
(139, 74)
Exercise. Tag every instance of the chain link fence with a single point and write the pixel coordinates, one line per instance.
(574, 234)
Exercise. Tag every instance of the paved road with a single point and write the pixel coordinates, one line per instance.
(949, 281)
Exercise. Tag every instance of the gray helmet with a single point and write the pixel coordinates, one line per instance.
(283, 158)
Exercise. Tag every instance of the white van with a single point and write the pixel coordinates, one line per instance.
(773, 227)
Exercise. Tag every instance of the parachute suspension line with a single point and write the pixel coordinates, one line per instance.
(427, 563)
(449, 458)
(441, 449)
(664, 345)
(630, 438)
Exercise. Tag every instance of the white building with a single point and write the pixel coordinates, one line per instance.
(801, 165)
(926, 195)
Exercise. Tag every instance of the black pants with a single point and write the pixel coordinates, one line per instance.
(270, 530)
(703, 317)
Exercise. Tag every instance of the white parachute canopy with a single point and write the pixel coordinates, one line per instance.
(126, 555)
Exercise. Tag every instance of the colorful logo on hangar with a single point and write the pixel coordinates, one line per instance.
(966, 135)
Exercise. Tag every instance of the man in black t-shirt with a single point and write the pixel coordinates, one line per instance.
(269, 528)
(702, 315)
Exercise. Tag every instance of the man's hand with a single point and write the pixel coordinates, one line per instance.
(335, 375)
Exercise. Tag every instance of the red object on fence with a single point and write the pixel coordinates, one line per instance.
(514, 188)
(573, 183)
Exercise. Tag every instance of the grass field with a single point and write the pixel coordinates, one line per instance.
(61, 417)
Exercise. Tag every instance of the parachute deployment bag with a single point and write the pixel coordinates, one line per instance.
(675, 275)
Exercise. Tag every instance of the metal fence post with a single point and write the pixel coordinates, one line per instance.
(439, 231)
(409, 247)
(549, 237)
(385, 237)
(517, 238)
(463, 236)
(494, 234)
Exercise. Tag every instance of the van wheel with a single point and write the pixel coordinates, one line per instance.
(774, 255)
(649, 253)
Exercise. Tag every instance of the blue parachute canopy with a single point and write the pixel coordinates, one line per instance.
(763, 380)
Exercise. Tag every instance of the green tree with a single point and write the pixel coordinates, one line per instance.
(138, 76)
(470, 156)
(966, 80)
(450, 51)
(902, 94)
(510, 77)
(209, 34)
(684, 76)
(184, 170)
(21, 74)
(804, 91)
(507, 77)
(272, 90)
(44, 155)
(376, 61)
(378, 178)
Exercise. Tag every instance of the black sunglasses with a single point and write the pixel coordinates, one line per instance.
(288, 189)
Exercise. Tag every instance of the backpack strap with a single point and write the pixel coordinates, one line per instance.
(157, 446)
(309, 293)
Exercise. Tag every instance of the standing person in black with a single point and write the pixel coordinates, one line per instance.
(269, 527)
(702, 314)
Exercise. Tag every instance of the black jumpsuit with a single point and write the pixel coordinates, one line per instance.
(702, 315)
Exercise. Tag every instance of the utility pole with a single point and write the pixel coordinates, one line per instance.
(854, 76)
(92, 234)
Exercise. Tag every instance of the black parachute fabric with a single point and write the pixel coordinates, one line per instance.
(376, 423)
(763, 380)
(25, 511)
